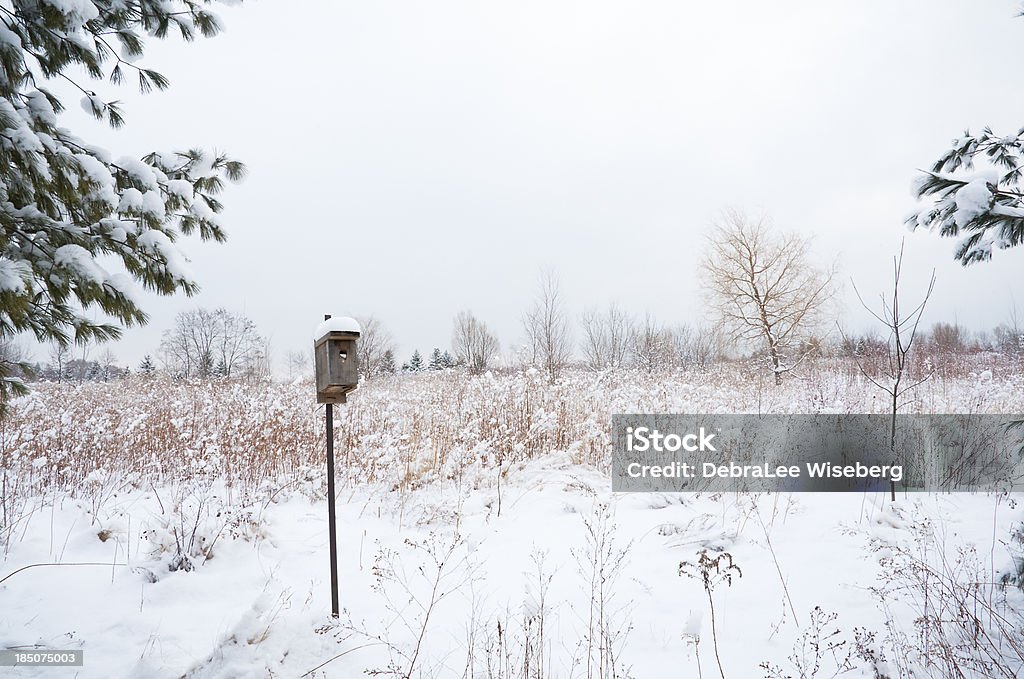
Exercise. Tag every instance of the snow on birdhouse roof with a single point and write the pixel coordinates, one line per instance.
(336, 324)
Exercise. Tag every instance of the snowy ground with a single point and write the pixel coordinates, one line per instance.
(259, 606)
(198, 515)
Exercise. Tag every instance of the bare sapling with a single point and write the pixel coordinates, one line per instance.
(606, 622)
(896, 379)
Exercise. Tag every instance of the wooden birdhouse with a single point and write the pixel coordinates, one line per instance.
(337, 365)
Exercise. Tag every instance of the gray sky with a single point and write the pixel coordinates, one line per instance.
(413, 159)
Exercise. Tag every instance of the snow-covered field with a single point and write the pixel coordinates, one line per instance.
(478, 537)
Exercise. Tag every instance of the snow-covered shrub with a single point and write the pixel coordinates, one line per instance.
(824, 650)
(965, 622)
(192, 521)
(401, 431)
(600, 563)
(411, 593)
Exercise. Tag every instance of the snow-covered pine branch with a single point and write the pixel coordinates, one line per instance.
(974, 193)
(64, 203)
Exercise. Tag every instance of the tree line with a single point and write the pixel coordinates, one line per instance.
(767, 300)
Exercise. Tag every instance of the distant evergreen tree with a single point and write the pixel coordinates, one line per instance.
(415, 363)
(220, 369)
(146, 367)
(387, 363)
(448, 361)
(93, 371)
(206, 365)
(436, 360)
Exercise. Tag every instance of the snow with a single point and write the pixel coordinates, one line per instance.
(157, 242)
(142, 461)
(9, 40)
(972, 201)
(24, 139)
(139, 171)
(125, 285)
(336, 324)
(203, 166)
(168, 161)
(118, 228)
(260, 605)
(80, 261)
(153, 204)
(77, 12)
(98, 173)
(13, 274)
(39, 104)
(200, 209)
(131, 200)
(1008, 211)
(181, 188)
(92, 105)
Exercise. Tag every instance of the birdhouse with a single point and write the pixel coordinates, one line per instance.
(334, 353)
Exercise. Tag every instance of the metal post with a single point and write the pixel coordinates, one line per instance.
(331, 521)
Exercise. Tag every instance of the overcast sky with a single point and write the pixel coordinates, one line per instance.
(412, 159)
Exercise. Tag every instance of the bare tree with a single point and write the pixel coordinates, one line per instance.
(694, 346)
(1008, 340)
(238, 346)
(108, 364)
(948, 338)
(764, 287)
(298, 362)
(205, 343)
(187, 348)
(606, 337)
(374, 343)
(473, 342)
(260, 364)
(60, 356)
(80, 367)
(652, 346)
(547, 327)
(901, 326)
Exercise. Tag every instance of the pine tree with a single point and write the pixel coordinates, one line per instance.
(387, 363)
(147, 367)
(985, 208)
(206, 365)
(448, 361)
(415, 363)
(64, 203)
(436, 360)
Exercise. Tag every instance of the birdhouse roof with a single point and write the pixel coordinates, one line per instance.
(336, 324)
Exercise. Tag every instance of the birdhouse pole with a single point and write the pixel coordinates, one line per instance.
(337, 373)
(332, 519)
